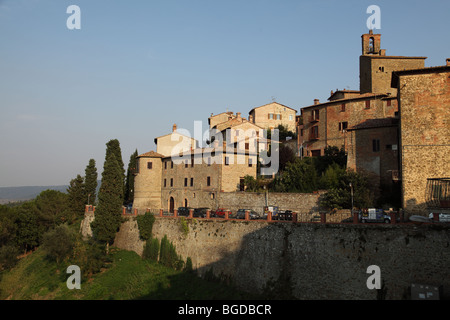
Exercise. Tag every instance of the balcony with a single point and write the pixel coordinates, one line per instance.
(438, 193)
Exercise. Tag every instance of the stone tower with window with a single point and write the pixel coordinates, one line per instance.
(375, 67)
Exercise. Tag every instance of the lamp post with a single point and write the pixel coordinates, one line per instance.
(351, 192)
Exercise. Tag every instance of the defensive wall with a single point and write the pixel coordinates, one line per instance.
(307, 260)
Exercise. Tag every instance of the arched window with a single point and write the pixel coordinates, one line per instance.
(185, 203)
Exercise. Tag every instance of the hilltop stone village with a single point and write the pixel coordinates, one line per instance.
(395, 127)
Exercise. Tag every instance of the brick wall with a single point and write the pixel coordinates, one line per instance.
(424, 134)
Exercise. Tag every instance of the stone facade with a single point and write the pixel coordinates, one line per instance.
(424, 108)
(375, 68)
(271, 115)
(192, 178)
(373, 148)
(302, 203)
(326, 124)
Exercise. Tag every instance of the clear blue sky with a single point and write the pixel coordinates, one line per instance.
(137, 67)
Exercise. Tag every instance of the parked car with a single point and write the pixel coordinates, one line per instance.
(374, 215)
(442, 217)
(284, 215)
(200, 212)
(220, 213)
(240, 214)
(184, 211)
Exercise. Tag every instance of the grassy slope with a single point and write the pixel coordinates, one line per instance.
(128, 277)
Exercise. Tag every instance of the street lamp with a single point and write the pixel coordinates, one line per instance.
(351, 192)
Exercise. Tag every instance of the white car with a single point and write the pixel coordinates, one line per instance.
(443, 217)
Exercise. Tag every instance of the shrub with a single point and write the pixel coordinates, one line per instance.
(168, 255)
(8, 256)
(145, 225)
(151, 250)
(188, 266)
(58, 243)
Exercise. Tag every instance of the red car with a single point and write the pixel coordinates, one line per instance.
(220, 213)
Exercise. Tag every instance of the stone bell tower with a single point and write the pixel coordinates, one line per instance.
(371, 43)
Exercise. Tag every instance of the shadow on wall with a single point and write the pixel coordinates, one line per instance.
(320, 262)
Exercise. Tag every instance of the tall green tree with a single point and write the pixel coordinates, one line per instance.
(129, 184)
(113, 147)
(90, 181)
(53, 208)
(29, 232)
(77, 198)
(108, 213)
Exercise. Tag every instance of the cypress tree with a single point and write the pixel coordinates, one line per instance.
(76, 198)
(113, 147)
(91, 181)
(129, 184)
(108, 212)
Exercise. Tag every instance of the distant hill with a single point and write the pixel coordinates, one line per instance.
(14, 194)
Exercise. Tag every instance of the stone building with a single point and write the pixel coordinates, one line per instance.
(424, 131)
(373, 149)
(271, 115)
(326, 124)
(189, 176)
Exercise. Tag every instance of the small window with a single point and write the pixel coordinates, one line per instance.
(376, 145)
(343, 107)
(192, 182)
(171, 164)
(291, 117)
(343, 126)
(368, 104)
(247, 146)
(149, 165)
(186, 164)
(185, 182)
(250, 162)
(278, 116)
(227, 161)
(165, 183)
(388, 103)
(171, 182)
(165, 164)
(315, 114)
(270, 116)
(208, 181)
(192, 162)
(213, 195)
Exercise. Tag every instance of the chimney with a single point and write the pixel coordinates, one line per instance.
(238, 115)
(448, 62)
(316, 101)
(174, 128)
